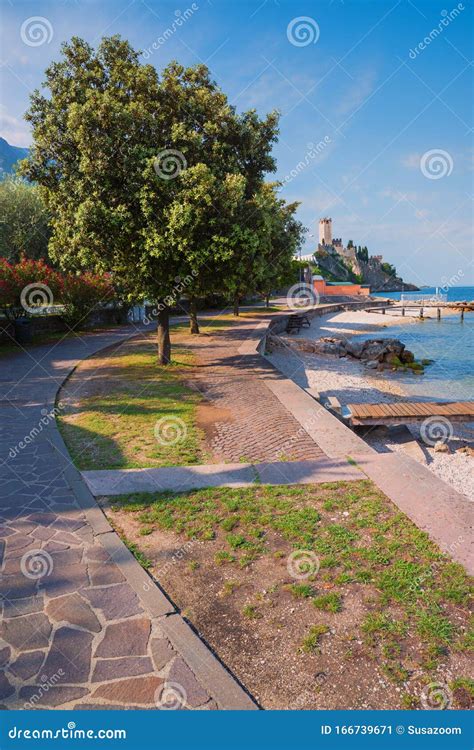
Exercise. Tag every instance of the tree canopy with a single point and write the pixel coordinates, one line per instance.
(152, 178)
(24, 221)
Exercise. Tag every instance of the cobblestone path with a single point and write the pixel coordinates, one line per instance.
(256, 426)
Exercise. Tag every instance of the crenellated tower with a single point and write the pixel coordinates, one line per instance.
(325, 231)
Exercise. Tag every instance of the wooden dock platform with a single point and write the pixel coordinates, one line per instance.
(409, 412)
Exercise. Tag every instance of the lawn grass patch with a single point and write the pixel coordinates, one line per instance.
(131, 413)
(312, 641)
(410, 601)
(330, 602)
(302, 590)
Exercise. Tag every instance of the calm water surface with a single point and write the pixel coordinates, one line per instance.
(449, 342)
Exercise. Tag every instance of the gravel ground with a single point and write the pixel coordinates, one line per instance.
(349, 381)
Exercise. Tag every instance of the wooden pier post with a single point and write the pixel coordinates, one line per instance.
(383, 310)
(421, 312)
(462, 315)
(438, 313)
(403, 311)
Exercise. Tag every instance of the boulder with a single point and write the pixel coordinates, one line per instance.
(354, 348)
(407, 356)
(441, 447)
(393, 345)
(373, 350)
(392, 359)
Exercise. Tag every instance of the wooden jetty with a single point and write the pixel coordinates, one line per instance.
(408, 412)
(400, 309)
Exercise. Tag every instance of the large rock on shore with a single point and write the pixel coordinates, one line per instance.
(387, 351)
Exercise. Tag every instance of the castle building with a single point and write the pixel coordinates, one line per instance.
(325, 231)
(335, 245)
(331, 246)
(332, 243)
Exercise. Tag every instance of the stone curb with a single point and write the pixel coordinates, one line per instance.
(338, 442)
(211, 673)
(432, 504)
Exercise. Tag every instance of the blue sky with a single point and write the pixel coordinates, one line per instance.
(394, 168)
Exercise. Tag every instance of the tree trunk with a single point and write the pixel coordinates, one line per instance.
(267, 300)
(193, 321)
(236, 304)
(163, 337)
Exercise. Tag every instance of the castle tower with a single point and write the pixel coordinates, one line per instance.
(325, 231)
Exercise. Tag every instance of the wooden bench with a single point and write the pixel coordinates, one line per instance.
(295, 322)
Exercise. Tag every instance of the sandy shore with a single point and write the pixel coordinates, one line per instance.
(349, 381)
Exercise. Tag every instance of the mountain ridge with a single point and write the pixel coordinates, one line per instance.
(9, 156)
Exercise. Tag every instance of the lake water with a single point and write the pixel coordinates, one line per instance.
(455, 293)
(449, 342)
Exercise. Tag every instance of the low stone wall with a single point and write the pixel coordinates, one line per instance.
(48, 324)
(279, 324)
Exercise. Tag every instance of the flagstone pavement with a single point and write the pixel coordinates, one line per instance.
(75, 631)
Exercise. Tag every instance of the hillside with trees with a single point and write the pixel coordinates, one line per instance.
(362, 269)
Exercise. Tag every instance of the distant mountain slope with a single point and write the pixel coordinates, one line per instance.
(9, 155)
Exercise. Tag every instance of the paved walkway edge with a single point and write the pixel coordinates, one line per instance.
(183, 478)
(433, 505)
(332, 436)
(213, 675)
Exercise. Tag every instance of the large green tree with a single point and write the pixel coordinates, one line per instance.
(145, 177)
(24, 221)
(284, 236)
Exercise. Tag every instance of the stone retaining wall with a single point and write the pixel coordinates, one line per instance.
(48, 324)
(279, 324)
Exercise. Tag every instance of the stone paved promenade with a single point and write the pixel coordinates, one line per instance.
(82, 626)
(255, 425)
